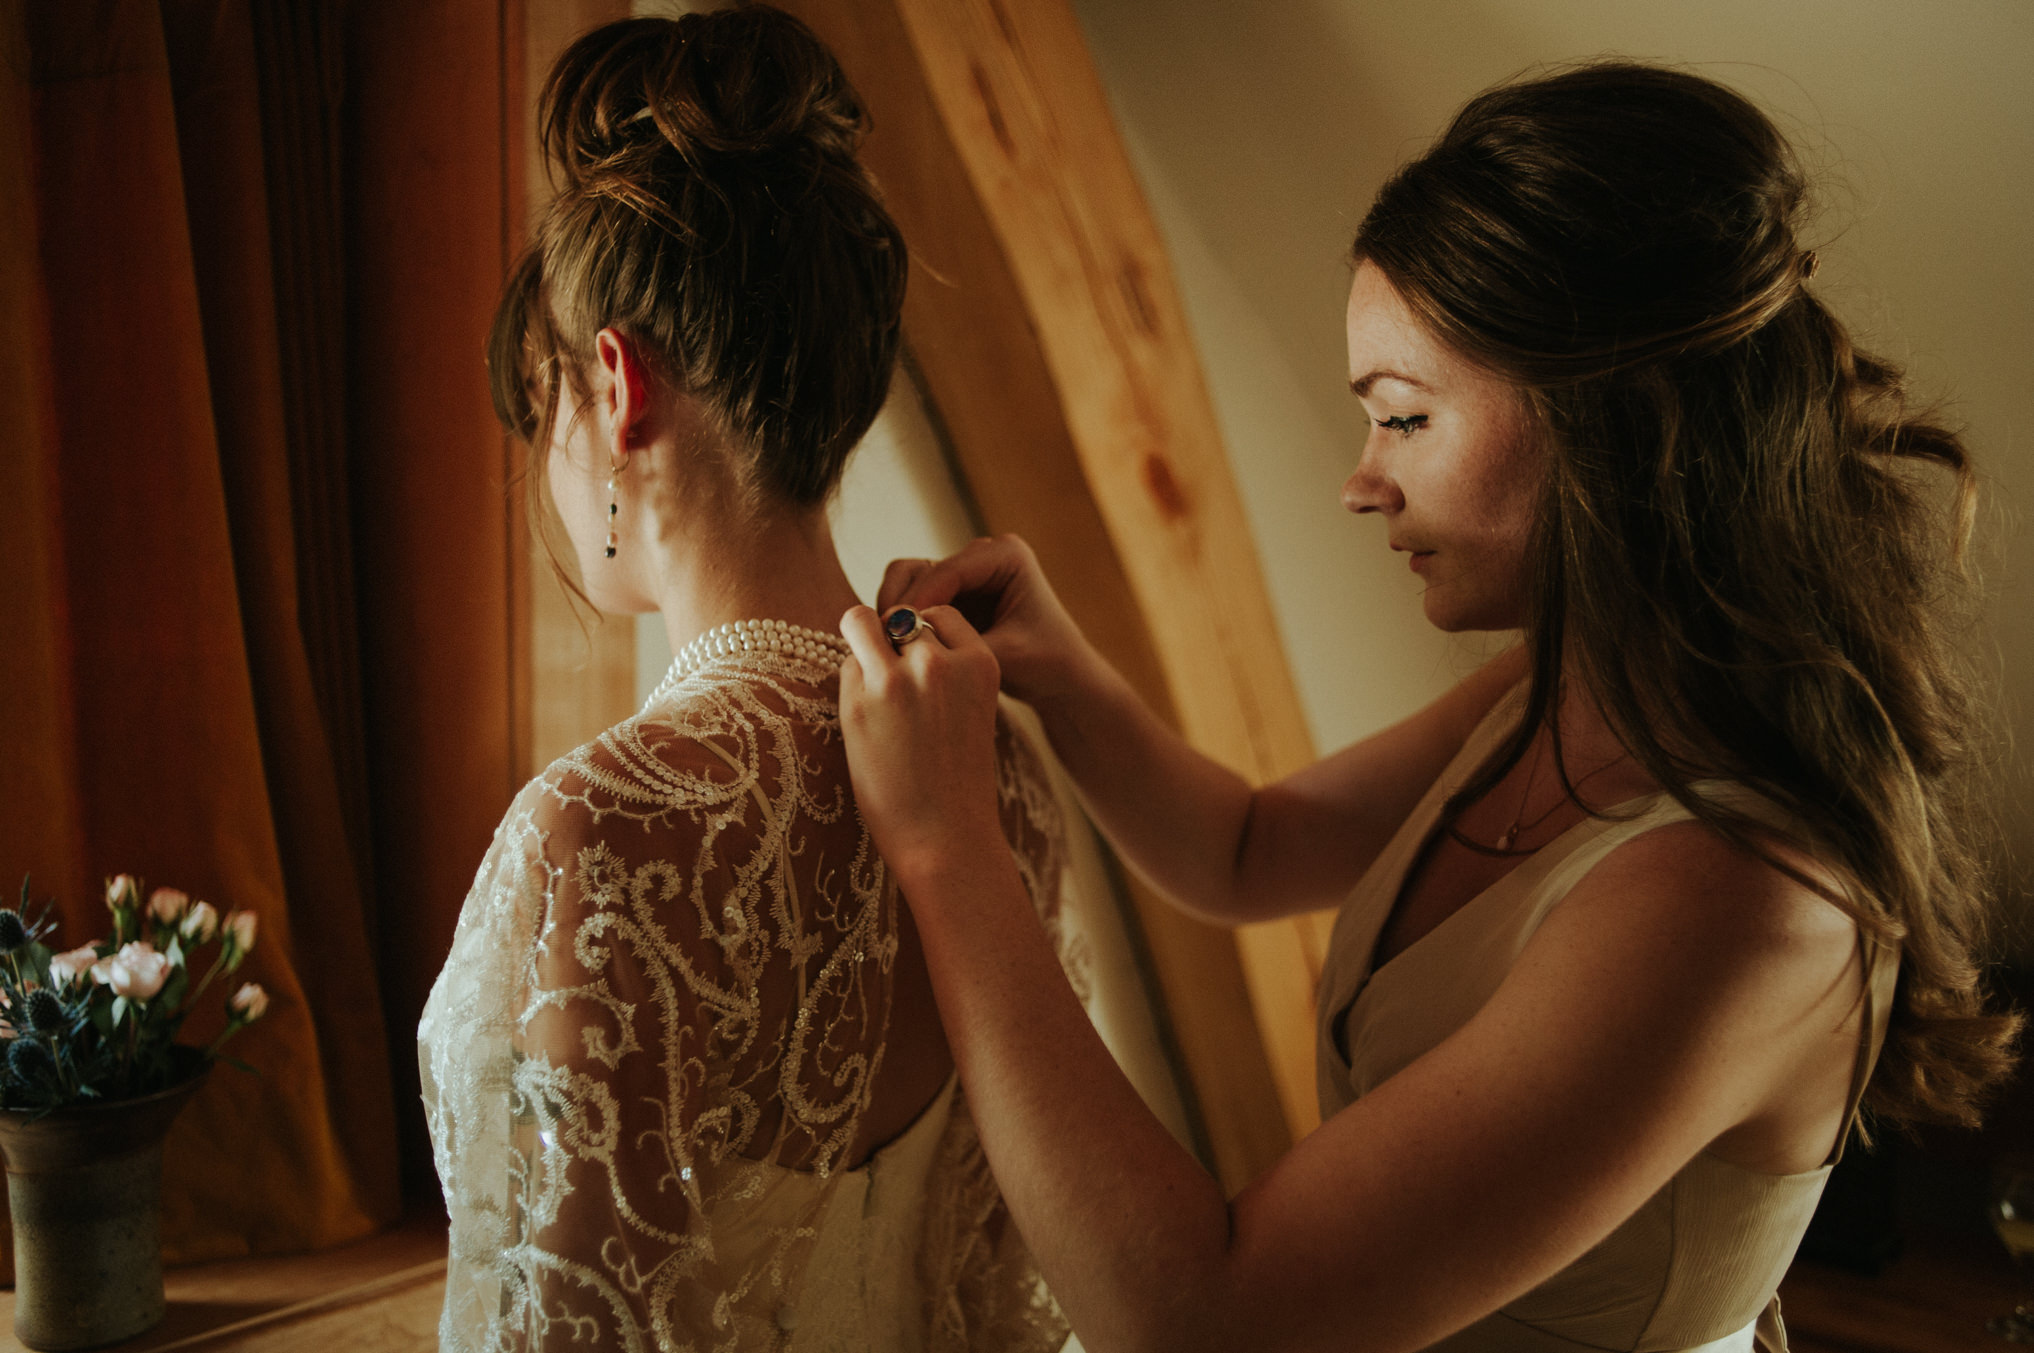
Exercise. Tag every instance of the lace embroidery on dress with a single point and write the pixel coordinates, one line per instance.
(659, 1027)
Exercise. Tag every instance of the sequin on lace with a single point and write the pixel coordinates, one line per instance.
(648, 1055)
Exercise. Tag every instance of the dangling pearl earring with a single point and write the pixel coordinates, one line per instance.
(613, 503)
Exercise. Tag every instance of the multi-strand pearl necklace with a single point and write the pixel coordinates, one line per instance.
(751, 636)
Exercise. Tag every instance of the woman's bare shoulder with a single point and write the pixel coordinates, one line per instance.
(1764, 893)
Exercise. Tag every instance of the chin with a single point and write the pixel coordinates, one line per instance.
(1453, 618)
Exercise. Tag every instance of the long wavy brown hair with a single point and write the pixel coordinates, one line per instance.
(1751, 549)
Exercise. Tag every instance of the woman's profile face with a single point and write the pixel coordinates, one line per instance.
(1447, 462)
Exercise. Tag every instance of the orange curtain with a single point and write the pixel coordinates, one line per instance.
(435, 137)
(179, 679)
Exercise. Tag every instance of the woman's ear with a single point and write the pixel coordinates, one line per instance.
(626, 389)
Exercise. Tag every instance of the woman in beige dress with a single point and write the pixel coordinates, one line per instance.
(1634, 919)
(686, 1084)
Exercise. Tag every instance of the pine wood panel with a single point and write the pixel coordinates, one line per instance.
(1032, 121)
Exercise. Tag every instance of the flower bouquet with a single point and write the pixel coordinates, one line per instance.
(100, 1022)
(91, 1076)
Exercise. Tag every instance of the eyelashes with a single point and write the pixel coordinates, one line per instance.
(1403, 424)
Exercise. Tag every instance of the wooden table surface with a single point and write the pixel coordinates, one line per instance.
(382, 1295)
(1935, 1298)
(379, 1295)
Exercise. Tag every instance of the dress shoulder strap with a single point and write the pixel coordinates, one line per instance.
(1881, 966)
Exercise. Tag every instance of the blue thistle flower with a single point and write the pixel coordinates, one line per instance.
(45, 1013)
(29, 1062)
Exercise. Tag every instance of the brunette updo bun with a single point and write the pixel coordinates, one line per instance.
(710, 206)
(1738, 549)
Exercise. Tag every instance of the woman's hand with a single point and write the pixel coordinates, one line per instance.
(998, 586)
(920, 728)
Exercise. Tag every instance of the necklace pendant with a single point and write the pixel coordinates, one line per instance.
(1506, 837)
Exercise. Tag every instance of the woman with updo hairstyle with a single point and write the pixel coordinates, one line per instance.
(686, 1083)
(1639, 923)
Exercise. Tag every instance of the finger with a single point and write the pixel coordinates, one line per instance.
(953, 628)
(863, 629)
(980, 565)
(897, 580)
(915, 627)
(933, 585)
(950, 635)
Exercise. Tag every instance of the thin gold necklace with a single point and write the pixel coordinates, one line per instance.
(1519, 826)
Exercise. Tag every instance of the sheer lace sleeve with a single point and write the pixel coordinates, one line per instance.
(1037, 829)
(650, 1051)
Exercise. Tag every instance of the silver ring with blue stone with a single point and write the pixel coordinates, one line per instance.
(903, 625)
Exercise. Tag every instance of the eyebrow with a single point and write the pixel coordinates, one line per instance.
(1360, 387)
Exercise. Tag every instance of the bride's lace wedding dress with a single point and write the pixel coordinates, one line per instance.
(653, 1043)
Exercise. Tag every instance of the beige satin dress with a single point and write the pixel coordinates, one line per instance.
(1695, 1269)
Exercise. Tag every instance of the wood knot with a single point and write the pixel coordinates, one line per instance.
(1137, 297)
(1164, 487)
(987, 93)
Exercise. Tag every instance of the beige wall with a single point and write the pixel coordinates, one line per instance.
(1263, 129)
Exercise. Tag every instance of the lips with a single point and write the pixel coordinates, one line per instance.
(1419, 557)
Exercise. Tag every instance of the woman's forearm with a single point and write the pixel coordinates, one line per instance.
(1208, 840)
(1128, 1229)
(1176, 817)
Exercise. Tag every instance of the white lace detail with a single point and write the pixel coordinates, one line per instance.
(662, 1020)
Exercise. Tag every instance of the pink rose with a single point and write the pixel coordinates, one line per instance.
(122, 891)
(248, 1004)
(136, 972)
(201, 923)
(168, 905)
(240, 926)
(68, 967)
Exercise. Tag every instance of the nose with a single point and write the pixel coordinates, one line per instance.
(1369, 488)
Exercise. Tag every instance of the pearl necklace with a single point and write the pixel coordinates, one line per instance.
(751, 636)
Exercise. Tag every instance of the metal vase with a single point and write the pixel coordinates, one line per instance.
(84, 1185)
